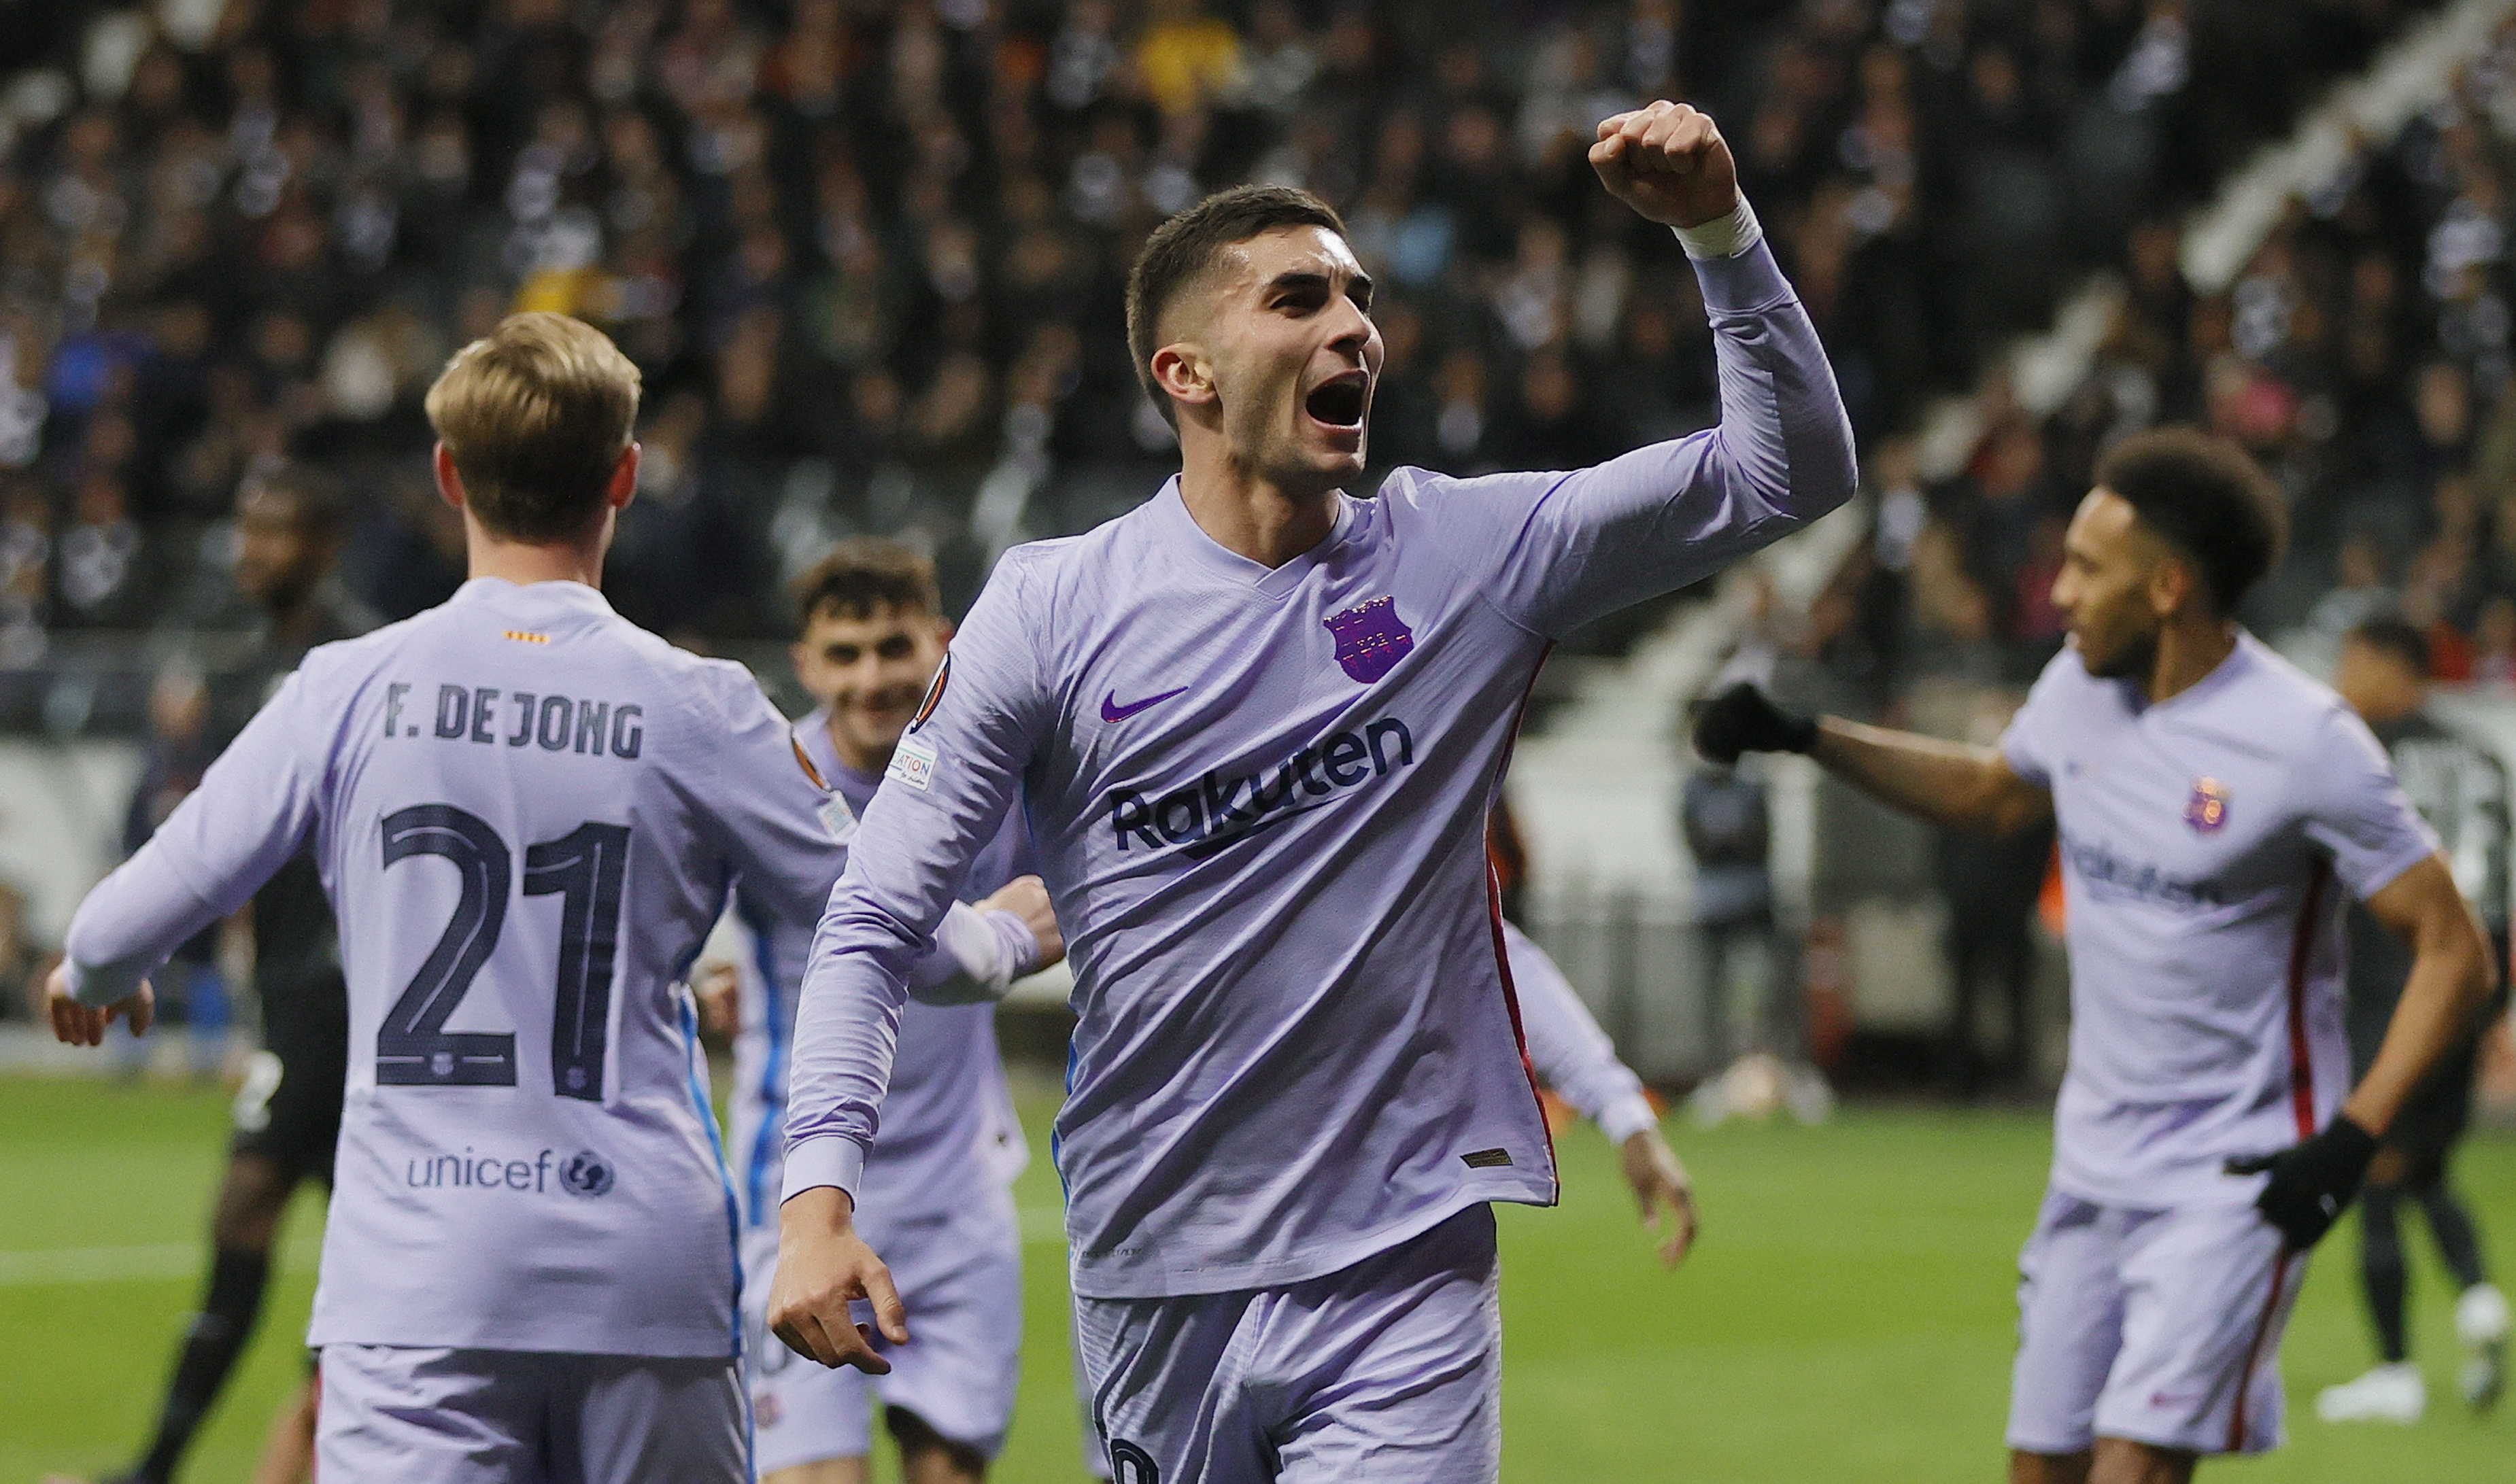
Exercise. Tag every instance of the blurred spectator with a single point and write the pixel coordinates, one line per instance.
(831, 231)
(1725, 824)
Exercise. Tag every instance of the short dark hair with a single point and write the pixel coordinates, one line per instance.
(317, 504)
(1183, 248)
(864, 577)
(2210, 500)
(2391, 633)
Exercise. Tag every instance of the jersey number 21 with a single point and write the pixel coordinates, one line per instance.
(585, 867)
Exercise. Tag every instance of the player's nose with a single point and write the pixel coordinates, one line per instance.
(1354, 330)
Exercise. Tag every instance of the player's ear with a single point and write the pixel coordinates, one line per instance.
(623, 488)
(450, 481)
(2171, 587)
(1183, 373)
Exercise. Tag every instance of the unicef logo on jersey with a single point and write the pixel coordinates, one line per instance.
(587, 1174)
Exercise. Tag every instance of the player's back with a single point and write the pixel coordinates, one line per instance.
(523, 826)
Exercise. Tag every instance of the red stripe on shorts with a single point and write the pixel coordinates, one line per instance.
(2254, 1352)
(2301, 1056)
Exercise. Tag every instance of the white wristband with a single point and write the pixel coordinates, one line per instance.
(1723, 237)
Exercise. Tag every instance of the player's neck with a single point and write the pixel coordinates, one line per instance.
(2187, 654)
(1247, 514)
(863, 762)
(524, 563)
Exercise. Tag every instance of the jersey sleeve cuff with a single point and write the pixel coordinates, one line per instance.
(1627, 1116)
(2385, 870)
(825, 1158)
(100, 987)
(1020, 943)
(1722, 236)
(1747, 284)
(2014, 752)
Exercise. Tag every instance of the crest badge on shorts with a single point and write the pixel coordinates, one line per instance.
(2207, 808)
(1370, 638)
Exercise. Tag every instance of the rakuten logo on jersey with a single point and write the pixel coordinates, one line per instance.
(2109, 874)
(1216, 811)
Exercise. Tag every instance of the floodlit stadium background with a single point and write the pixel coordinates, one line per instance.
(870, 257)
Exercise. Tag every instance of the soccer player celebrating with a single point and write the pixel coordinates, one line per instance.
(2461, 791)
(2207, 795)
(1256, 725)
(526, 814)
(939, 1183)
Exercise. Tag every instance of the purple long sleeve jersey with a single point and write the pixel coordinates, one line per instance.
(526, 812)
(1259, 800)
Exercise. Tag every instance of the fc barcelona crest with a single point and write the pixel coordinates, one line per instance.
(2208, 809)
(1371, 640)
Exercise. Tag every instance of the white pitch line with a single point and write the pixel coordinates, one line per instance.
(1041, 1226)
(98, 1264)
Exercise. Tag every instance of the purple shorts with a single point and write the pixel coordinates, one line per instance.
(1389, 1370)
(2156, 1327)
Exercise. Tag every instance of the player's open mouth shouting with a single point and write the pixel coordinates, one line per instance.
(1340, 402)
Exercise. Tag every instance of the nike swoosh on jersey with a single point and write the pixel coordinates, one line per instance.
(1111, 711)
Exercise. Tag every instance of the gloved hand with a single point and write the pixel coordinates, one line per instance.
(2312, 1182)
(1744, 720)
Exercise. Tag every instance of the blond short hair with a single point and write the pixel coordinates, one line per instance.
(536, 415)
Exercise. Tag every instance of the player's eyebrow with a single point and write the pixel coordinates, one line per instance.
(1358, 285)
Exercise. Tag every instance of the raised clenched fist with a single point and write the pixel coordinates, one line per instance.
(1669, 162)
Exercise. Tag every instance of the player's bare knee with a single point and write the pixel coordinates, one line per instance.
(2048, 1467)
(822, 1472)
(928, 1457)
(2120, 1460)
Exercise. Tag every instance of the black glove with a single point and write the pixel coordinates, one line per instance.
(2312, 1182)
(1744, 720)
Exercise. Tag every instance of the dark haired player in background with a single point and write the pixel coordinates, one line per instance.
(1256, 725)
(2207, 794)
(2461, 790)
(870, 635)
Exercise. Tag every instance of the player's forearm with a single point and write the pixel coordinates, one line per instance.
(1567, 1049)
(975, 959)
(129, 924)
(1783, 430)
(1949, 783)
(2451, 980)
(847, 1030)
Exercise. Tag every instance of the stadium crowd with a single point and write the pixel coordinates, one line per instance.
(869, 254)
(2362, 352)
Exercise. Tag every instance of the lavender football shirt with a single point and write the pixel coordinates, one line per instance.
(526, 812)
(2206, 843)
(1259, 799)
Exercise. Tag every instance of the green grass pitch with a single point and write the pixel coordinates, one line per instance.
(1847, 1317)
